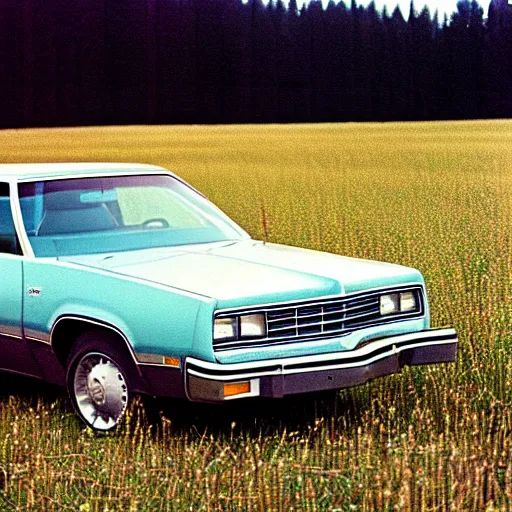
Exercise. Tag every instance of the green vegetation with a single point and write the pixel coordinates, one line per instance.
(434, 196)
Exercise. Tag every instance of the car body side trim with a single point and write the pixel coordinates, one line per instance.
(7, 335)
(37, 335)
(23, 374)
(10, 331)
(39, 340)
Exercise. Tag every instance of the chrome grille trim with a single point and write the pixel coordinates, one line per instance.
(331, 312)
(316, 319)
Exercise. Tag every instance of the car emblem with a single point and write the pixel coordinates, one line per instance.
(34, 291)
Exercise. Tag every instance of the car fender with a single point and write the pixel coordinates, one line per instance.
(151, 317)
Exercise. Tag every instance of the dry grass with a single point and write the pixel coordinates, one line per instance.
(437, 196)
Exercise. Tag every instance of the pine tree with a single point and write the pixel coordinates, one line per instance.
(498, 59)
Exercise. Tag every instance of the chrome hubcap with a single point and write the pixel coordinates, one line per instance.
(100, 390)
(95, 388)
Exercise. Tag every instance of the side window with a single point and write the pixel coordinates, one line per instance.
(8, 239)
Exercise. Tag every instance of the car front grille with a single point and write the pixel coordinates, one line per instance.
(319, 319)
(327, 318)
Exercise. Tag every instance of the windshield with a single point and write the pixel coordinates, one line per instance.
(119, 213)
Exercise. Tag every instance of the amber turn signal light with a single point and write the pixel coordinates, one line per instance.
(236, 388)
(172, 361)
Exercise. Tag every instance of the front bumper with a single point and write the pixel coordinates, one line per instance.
(206, 381)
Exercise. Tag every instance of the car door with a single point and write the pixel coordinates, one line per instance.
(15, 354)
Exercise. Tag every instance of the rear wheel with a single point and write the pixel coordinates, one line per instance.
(98, 383)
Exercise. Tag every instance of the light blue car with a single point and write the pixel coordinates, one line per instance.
(122, 279)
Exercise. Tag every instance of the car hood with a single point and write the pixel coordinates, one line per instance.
(251, 272)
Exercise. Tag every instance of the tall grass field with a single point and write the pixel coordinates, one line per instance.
(435, 196)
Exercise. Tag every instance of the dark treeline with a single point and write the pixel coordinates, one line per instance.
(225, 61)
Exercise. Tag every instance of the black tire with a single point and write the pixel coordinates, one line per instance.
(99, 380)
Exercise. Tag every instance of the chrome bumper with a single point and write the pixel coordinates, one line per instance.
(278, 377)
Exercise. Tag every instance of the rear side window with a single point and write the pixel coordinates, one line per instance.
(8, 239)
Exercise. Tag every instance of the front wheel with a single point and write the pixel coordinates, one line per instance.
(99, 389)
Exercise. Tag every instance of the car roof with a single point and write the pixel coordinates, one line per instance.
(22, 172)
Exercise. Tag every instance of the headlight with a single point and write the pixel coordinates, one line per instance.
(389, 304)
(252, 325)
(225, 328)
(407, 301)
(237, 327)
(403, 302)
